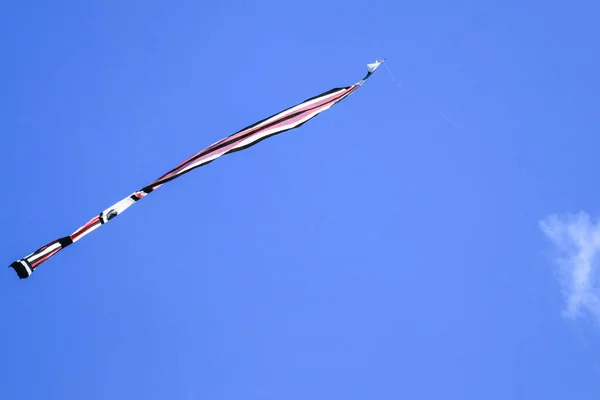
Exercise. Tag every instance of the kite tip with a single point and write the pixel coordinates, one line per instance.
(20, 269)
(371, 67)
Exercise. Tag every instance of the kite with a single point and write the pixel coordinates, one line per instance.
(290, 118)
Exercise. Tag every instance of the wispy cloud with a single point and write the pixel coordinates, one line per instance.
(577, 239)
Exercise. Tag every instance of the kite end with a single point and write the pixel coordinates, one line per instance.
(21, 268)
(373, 66)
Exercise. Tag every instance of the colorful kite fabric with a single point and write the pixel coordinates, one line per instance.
(285, 120)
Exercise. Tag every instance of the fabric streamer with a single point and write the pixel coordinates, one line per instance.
(285, 120)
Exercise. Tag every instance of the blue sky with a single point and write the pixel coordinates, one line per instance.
(418, 242)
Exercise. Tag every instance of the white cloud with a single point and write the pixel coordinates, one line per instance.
(577, 238)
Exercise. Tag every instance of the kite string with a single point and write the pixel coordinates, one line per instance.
(444, 116)
(511, 163)
(392, 75)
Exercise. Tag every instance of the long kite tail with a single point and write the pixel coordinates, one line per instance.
(285, 120)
